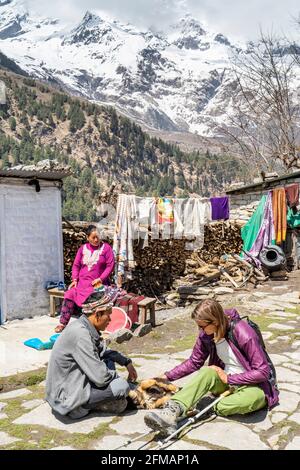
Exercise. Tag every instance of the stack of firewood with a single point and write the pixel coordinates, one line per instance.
(72, 240)
(222, 276)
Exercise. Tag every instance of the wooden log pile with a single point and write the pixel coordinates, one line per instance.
(73, 238)
(224, 275)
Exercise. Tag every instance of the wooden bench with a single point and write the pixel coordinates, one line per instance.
(147, 305)
(54, 294)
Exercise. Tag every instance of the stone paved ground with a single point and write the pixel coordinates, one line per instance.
(26, 422)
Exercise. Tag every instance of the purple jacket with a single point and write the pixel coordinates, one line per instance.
(256, 366)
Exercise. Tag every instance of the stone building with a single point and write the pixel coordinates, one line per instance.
(31, 246)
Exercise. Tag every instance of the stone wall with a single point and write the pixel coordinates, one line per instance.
(31, 251)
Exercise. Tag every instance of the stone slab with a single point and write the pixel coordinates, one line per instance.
(287, 375)
(15, 394)
(131, 423)
(184, 445)
(290, 365)
(63, 448)
(14, 356)
(113, 442)
(288, 401)
(3, 416)
(278, 416)
(43, 416)
(229, 435)
(278, 359)
(294, 445)
(296, 418)
(280, 326)
(29, 405)
(2, 405)
(6, 439)
(289, 387)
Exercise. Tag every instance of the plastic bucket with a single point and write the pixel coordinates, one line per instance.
(119, 319)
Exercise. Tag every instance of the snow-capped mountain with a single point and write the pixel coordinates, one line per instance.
(175, 80)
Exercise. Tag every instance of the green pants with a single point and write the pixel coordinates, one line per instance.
(243, 400)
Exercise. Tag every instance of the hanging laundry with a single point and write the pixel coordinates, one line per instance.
(219, 208)
(266, 233)
(250, 231)
(293, 219)
(126, 230)
(279, 214)
(165, 210)
(292, 194)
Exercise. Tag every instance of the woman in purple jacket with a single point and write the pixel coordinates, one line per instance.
(93, 264)
(244, 368)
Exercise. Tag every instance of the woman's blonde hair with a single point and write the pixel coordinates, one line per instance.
(211, 311)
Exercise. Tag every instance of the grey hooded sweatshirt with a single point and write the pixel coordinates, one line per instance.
(77, 360)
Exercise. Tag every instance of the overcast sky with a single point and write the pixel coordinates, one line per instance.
(240, 19)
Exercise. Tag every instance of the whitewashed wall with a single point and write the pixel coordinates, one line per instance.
(31, 248)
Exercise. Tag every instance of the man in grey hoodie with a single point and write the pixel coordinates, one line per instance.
(81, 375)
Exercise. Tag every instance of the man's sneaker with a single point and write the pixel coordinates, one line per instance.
(113, 406)
(165, 420)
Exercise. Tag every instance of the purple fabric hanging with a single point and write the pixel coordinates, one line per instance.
(219, 208)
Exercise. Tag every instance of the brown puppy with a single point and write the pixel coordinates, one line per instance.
(152, 393)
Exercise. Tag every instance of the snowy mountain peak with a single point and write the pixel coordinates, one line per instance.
(91, 29)
(174, 80)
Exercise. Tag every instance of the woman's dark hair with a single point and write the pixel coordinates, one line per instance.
(90, 229)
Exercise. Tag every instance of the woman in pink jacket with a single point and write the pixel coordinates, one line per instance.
(93, 264)
(236, 359)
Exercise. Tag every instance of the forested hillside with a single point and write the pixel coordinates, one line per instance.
(39, 122)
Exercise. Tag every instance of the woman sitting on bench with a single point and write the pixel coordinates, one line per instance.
(92, 267)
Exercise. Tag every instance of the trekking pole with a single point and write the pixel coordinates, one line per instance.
(193, 419)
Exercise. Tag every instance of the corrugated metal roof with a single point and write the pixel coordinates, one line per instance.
(264, 184)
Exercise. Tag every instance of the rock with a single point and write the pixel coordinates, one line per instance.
(29, 405)
(287, 375)
(223, 290)
(264, 425)
(280, 326)
(2, 405)
(294, 445)
(121, 335)
(6, 439)
(294, 356)
(295, 417)
(229, 435)
(15, 393)
(143, 330)
(3, 416)
(278, 416)
(296, 345)
(43, 416)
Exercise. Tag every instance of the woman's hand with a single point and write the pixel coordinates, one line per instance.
(97, 282)
(132, 373)
(73, 284)
(222, 375)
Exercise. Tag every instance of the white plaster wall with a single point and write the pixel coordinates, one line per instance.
(31, 250)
